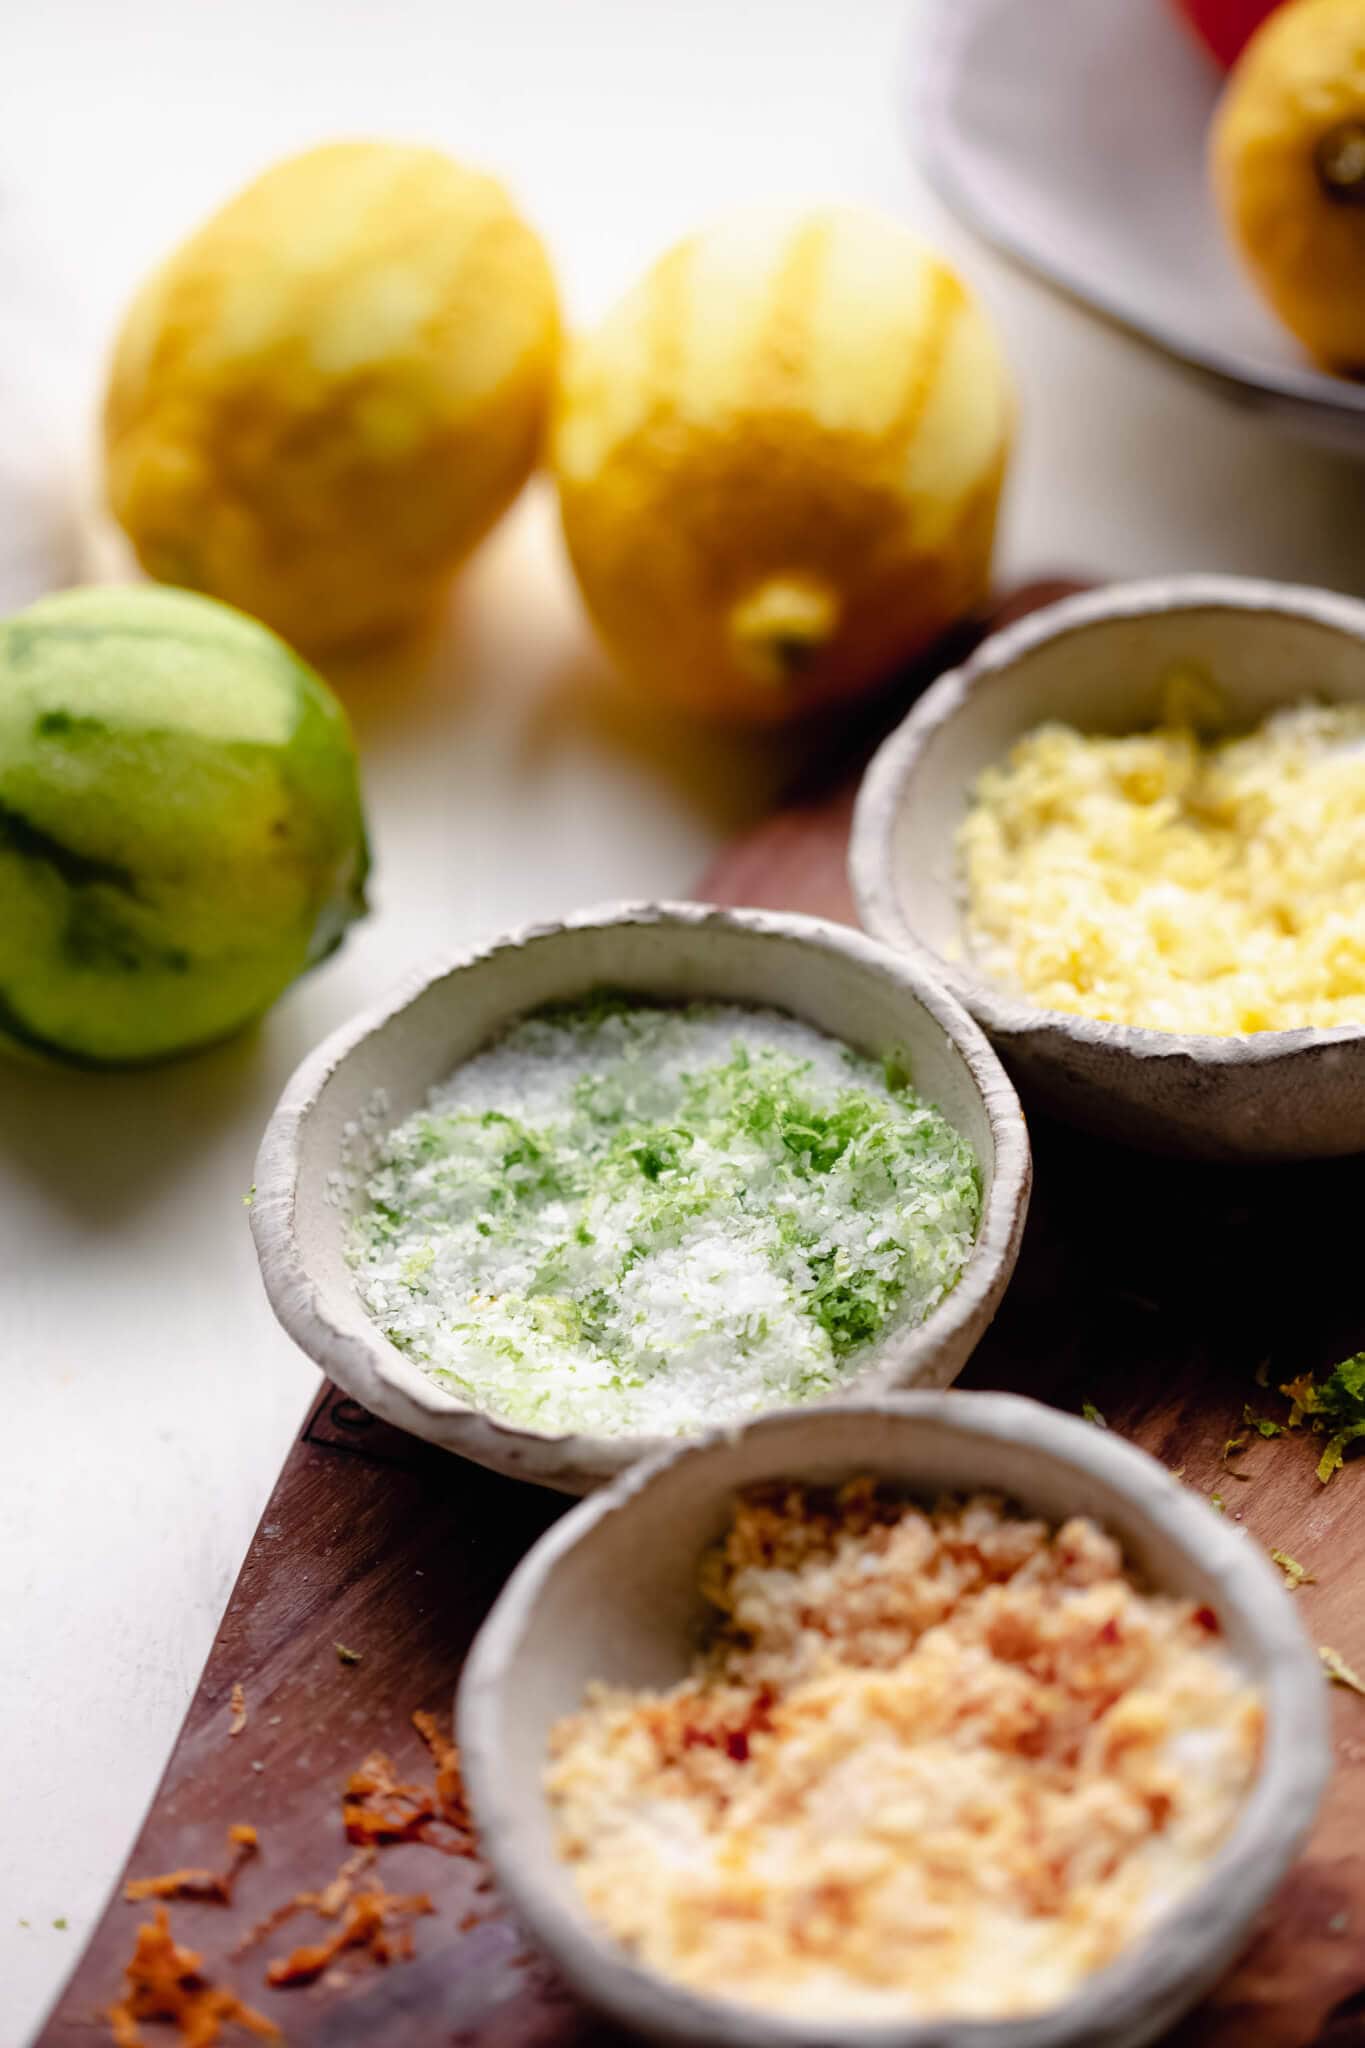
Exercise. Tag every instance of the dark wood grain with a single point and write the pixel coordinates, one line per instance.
(376, 1541)
(1153, 1290)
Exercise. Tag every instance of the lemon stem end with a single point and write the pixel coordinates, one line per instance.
(1339, 159)
(778, 629)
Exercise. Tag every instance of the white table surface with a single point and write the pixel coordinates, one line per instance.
(150, 1398)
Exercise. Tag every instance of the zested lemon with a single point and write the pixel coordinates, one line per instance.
(779, 460)
(330, 392)
(1288, 161)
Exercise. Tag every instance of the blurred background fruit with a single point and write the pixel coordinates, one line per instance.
(1225, 27)
(326, 396)
(779, 460)
(1288, 165)
(180, 824)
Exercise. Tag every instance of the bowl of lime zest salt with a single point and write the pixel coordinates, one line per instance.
(607, 1183)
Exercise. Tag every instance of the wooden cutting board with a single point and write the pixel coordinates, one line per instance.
(1152, 1290)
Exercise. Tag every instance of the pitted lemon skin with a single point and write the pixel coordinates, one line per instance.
(779, 460)
(324, 399)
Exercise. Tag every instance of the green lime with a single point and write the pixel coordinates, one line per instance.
(181, 831)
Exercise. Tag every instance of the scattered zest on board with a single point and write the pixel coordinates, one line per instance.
(371, 1921)
(1340, 1398)
(200, 1884)
(327, 1903)
(450, 1798)
(378, 1809)
(237, 1708)
(1339, 1671)
(1335, 1409)
(164, 1983)
(1233, 1448)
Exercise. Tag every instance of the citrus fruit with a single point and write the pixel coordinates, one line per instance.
(327, 395)
(779, 460)
(180, 824)
(1288, 163)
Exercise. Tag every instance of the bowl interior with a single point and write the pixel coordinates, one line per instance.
(1104, 675)
(611, 1593)
(838, 986)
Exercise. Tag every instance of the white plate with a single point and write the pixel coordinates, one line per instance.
(1070, 135)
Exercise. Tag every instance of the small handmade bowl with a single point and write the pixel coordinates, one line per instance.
(1098, 662)
(610, 1593)
(376, 1070)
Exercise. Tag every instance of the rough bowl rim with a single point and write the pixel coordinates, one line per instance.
(377, 1374)
(889, 779)
(1133, 1993)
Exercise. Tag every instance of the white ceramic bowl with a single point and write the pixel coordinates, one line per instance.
(831, 977)
(610, 1593)
(1098, 662)
(1072, 136)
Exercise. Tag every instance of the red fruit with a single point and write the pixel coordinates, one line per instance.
(1225, 27)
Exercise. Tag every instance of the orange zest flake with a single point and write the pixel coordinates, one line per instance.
(237, 1708)
(328, 1902)
(200, 1884)
(378, 1807)
(372, 1921)
(450, 1796)
(164, 1983)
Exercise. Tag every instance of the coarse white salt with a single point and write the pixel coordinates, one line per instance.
(928, 1761)
(628, 1217)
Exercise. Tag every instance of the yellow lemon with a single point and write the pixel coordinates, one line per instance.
(330, 392)
(779, 460)
(1288, 163)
